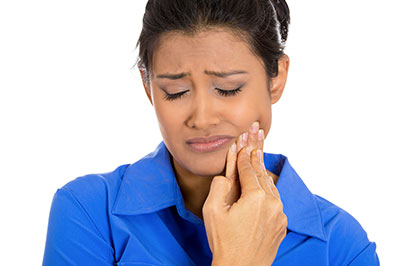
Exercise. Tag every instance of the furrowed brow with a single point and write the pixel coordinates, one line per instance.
(214, 73)
(225, 74)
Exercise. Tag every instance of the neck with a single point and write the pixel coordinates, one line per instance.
(194, 188)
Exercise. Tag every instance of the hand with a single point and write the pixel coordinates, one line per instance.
(247, 231)
(254, 140)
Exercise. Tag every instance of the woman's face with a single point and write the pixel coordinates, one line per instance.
(203, 110)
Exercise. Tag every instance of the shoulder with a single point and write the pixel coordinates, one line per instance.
(346, 237)
(95, 186)
(339, 223)
(90, 196)
(79, 217)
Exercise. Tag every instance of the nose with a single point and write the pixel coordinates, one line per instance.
(203, 111)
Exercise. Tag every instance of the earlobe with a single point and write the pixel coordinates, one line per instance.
(278, 83)
(145, 86)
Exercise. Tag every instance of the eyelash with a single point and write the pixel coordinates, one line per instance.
(226, 93)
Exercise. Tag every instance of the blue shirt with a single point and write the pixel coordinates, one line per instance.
(135, 215)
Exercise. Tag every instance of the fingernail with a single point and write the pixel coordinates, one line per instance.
(259, 154)
(248, 150)
(254, 127)
(244, 136)
(234, 147)
(261, 134)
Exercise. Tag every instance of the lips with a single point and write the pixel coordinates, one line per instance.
(208, 144)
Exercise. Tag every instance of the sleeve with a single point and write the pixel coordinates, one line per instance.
(72, 237)
(367, 257)
(349, 243)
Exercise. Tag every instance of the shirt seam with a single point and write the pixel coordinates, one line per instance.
(89, 218)
(153, 208)
(321, 219)
(115, 205)
(361, 252)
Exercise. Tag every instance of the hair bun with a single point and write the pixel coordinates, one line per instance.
(283, 16)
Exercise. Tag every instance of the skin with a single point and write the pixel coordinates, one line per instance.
(249, 229)
(202, 111)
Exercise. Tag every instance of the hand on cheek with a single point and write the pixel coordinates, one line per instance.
(256, 137)
(253, 138)
(243, 203)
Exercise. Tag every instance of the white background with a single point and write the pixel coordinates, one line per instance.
(70, 106)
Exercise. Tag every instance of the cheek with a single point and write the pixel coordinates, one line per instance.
(251, 109)
(168, 119)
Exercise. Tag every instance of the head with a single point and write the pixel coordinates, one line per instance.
(185, 49)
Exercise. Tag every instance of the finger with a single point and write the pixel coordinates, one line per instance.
(261, 174)
(272, 184)
(247, 175)
(220, 187)
(253, 135)
(268, 177)
(275, 189)
(231, 170)
(241, 141)
(232, 174)
(260, 141)
(261, 144)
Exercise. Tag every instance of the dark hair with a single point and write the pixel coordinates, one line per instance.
(262, 23)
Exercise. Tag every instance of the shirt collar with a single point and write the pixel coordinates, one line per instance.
(149, 185)
(299, 204)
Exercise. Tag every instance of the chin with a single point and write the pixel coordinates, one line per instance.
(209, 173)
(208, 168)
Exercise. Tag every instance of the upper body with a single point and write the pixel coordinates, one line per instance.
(135, 215)
(211, 70)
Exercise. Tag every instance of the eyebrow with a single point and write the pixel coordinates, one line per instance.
(217, 74)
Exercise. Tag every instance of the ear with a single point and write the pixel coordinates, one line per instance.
(145, 86)
(278, 83)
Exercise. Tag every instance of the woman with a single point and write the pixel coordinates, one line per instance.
(207, 195)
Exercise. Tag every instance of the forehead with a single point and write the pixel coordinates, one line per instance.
(215, 49)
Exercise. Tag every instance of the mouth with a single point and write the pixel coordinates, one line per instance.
(208, 144)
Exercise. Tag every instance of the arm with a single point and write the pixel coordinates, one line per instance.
(349, 243)
(367, 257)
(72, 236)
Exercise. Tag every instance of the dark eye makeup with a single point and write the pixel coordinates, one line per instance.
(226, 93)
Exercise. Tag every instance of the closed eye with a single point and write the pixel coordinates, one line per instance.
(171, 97)
(229, 92)
(226, 93)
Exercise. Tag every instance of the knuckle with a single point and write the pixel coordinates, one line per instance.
(284, 221)
(259, 175)
(242, 154)
(205, 207)
(277, 206)
(259, 194)
(283, 233)
(209, 209)
(277, 193)
(218, 179)
(244, 169)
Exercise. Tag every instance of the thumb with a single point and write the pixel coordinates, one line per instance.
(220, 187)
